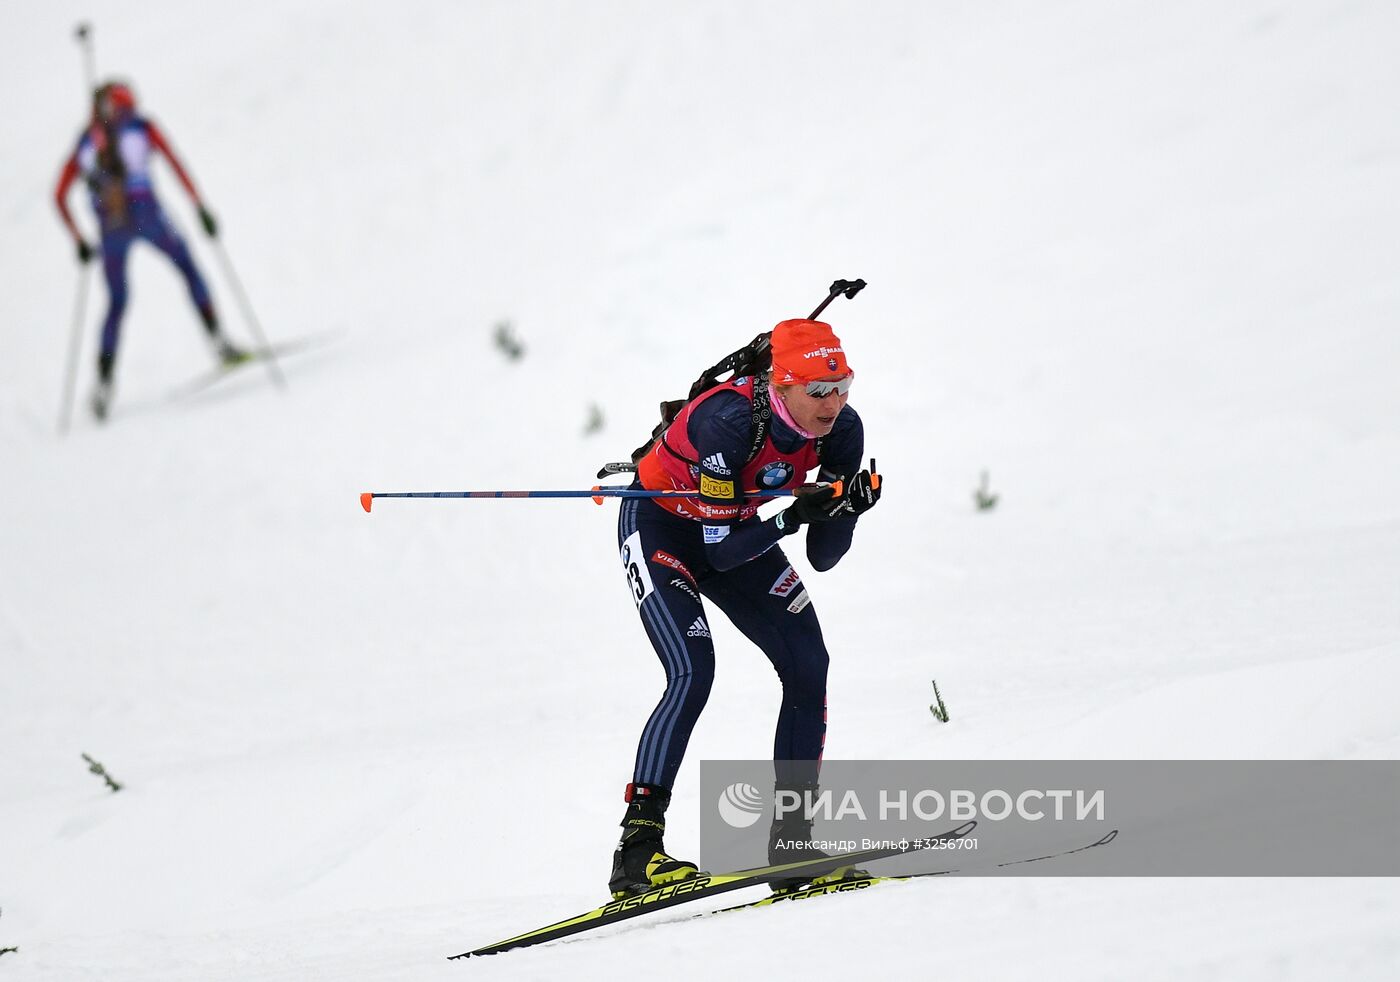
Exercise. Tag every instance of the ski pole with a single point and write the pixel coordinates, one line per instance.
(75, 343)
(83, 33)
(597, 494)
(273, 368)
(849, 287)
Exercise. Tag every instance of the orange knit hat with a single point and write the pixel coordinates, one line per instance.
(804, 351)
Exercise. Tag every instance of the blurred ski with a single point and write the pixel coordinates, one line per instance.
(256, 356)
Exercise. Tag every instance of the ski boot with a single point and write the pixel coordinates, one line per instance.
(102, 400)
(226, 351)
(641, 862)
(102, 395)
(790, 841)
(230, 354)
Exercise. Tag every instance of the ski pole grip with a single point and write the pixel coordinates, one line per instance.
(847, 287)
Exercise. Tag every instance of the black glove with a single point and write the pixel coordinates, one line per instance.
(85, 251)
(211, 227)
(813, 503)
(863, 490)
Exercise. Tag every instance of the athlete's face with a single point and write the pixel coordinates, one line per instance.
(816, 415)
(109, 113)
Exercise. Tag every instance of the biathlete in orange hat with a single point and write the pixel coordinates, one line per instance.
(765, 433)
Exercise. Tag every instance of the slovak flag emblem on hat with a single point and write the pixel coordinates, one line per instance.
(804, 351)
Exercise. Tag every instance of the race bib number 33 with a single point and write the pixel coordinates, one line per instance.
(634, 564)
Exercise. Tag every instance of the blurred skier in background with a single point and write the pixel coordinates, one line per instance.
(677, 550)
(113, 157)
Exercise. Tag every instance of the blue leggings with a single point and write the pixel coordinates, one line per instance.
(144, 220)
(664, 559)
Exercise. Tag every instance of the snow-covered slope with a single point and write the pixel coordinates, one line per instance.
(1136, 259)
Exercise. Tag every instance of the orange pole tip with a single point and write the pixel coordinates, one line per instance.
(875, 481)
(366, 499)
(836, 489)
(597, 498)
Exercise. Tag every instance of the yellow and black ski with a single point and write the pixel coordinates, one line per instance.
(702, 886)
(854, 883)
(847, 885)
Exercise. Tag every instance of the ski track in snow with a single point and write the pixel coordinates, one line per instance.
(1135, 260)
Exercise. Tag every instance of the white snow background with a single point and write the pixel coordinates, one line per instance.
(1137, 259)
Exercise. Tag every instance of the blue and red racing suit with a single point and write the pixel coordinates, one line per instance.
(677, 551)
(115, 163)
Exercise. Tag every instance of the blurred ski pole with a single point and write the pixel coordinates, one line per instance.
(596, 493)
(83, 34)
(75, 343)
(273, 368)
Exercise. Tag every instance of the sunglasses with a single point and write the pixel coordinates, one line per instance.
(820, 390)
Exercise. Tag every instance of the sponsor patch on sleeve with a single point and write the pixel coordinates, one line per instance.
(799, 602)
(717, 513)
(712, 488)
(716, 464)
(715, 533)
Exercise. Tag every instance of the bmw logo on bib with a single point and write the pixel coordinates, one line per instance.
(775, 475)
